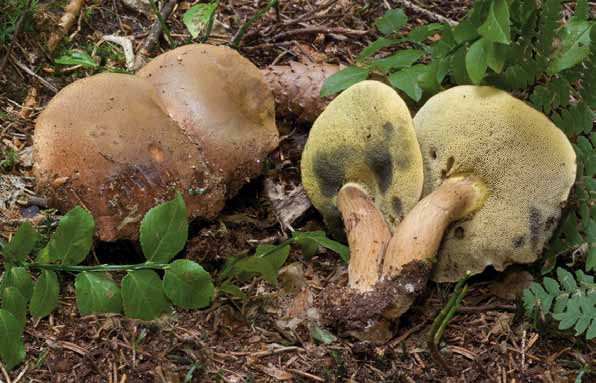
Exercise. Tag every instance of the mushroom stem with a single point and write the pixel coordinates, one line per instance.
(418, 236)
(368, 236)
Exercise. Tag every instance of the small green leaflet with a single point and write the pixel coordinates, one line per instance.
(495, 57)
(12, 350)
(496, 27)
(477, 60)
(343, 79)
(15, 303)
(401, 59)
(233, 290)
(575, 46)
(188, 285)
(321, 239)
(392, 21)
(142, 295)
(77, 58)
(275, 255)
(97, 294)
(257, 265)
(197, 17)
(375, 46)
(406, 80)
(422, 32)
(72, 240)
(20, 278)
(320, 335)
(21, 244)
(164, 230)
(45, 294)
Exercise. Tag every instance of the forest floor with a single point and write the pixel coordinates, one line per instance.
(489, 340)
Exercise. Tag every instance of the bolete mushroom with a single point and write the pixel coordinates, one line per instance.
(497, 173)
(222, 102)
(362, 163)
(118, 144)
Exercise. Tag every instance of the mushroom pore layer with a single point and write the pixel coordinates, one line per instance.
(525, 161)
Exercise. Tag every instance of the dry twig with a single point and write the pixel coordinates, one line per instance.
(71, 12)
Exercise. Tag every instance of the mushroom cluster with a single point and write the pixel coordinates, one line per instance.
(495, 172)
(198, 119)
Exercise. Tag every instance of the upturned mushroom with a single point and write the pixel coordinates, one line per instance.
(497, 173)
(118, 144)
(362, 169)
(223, 104)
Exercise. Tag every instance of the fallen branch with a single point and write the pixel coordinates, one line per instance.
(126, 45)
(153, 36)
(71, 12)
(335, 30)
(429, 14)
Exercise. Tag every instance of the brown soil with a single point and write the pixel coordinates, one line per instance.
(232, 341)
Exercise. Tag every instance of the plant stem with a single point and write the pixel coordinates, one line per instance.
(104, 267)
(162, 22)
(242, 31)
(209, 25)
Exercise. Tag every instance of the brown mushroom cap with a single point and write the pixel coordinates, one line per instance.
(222, 102)
(525, 161)
(106, 142)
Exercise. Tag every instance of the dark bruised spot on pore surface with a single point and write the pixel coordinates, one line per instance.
(397, 206)
(535, 224)
(378, 159)
(519, 241)
(388, 130)
(329, 170)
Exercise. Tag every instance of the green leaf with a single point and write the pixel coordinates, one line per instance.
(12, 349)
(20, 278)
(164, 230)
(566, 280)
(465, 31)
(188, 285)
(375, 46)
(406, 80)
(343, 79)
(392, 21)
(458, 67)
(591, 259)
(308, 246)
(422, 32)
(15, 303)
(275, 255)
(46, 292)
(477, 61)
(142, 295)
(197, 17)
(496, 26)
(575, 46)
(258, 265)
(320, 335)
(72, 240)
(320, 237)
(401, 59)
(97, 294)
(21, 244)
(233, 290)
(77, 58)
(495, 57)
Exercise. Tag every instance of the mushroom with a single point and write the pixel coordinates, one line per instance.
(222, 102)
(497, 173)
(362, 163)
(117, 144)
